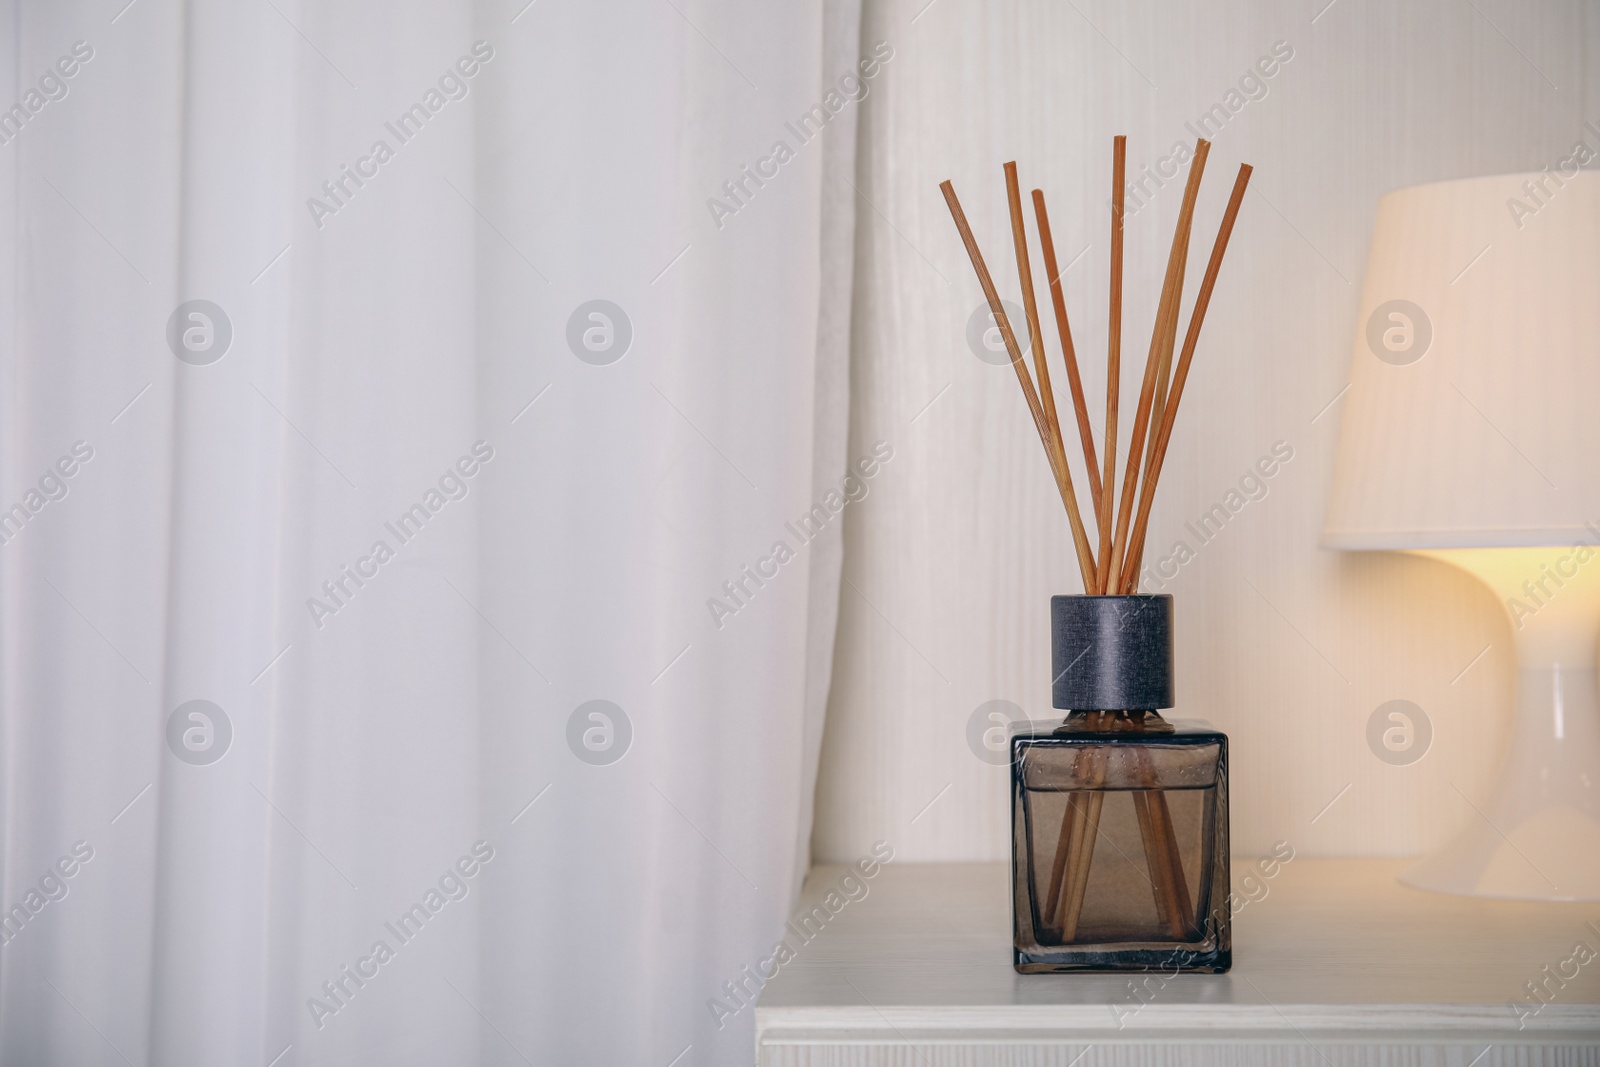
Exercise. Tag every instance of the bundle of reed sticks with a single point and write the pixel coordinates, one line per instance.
(1112, 565)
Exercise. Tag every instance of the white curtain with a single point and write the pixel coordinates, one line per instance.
(384, 750)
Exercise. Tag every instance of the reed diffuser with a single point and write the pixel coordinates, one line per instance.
(1119, 816)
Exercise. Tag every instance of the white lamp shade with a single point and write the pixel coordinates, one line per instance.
(1471, 415)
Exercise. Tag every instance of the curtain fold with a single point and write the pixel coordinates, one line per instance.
(304, 657)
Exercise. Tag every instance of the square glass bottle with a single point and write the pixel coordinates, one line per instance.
(1119, 818)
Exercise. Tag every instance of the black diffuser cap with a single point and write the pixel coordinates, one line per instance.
(1111, 653)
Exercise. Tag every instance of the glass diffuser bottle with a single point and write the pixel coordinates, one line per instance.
(1119, 817)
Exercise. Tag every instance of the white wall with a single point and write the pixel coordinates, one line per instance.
(1287, 647)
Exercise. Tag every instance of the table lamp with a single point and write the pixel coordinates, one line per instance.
(1470, 435)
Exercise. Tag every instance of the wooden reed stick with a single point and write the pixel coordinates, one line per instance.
(1130, 573)
(1164, 373)
(1085, 832)
(1058, 299)
(1030, 308)
(1160, 340)
(1162, 853)
(1093, 801)
(1181, 917)
(1158, 407)
(1155, 858)
(1063, 475)
(1119, 160)
(1067, 846)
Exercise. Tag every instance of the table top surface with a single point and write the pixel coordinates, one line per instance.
(1326, 946)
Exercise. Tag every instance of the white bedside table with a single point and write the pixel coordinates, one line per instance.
(1337, 965)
